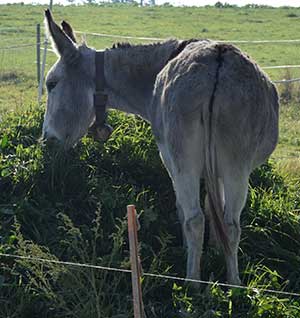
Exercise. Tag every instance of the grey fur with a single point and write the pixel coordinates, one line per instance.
(213, 112)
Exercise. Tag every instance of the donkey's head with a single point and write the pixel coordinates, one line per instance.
(70, 85)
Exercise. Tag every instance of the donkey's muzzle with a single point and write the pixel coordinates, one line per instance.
(49, 139)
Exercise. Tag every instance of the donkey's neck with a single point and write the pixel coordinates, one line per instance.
(130, 73)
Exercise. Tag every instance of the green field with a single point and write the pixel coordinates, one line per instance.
(72, 207)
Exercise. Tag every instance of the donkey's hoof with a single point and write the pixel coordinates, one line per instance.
(193, 282)
(235, 281)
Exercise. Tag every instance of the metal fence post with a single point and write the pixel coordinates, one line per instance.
(38, 52)
(40, 88)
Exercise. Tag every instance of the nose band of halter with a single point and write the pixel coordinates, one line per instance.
(100, 129)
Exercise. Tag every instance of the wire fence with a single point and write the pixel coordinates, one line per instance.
(18, 47)
(282, 81)
(129, 37)
(18, 60)
(151, 275)
(287, 81)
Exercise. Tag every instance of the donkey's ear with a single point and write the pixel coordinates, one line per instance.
(62, 43)
(68, 30)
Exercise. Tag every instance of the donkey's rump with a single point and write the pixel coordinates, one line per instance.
(186, 82)
(246, 110)
(221, 79)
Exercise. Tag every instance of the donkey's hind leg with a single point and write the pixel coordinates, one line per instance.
(180, 215)
(187, 187)
(236, 188)
(185, 174)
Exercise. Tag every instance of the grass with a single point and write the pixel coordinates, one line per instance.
(72, 207)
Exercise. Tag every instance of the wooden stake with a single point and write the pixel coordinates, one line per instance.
(138, 306)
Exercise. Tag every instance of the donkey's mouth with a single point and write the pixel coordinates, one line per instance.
(52, 142)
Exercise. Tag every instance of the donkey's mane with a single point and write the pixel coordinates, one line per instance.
(156, 54)
(127, 45)
(181, 46)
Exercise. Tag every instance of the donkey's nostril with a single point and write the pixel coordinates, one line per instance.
(52, 142)
(52, 139)
(49, 138)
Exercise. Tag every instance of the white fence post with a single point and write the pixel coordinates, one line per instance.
(40, 88)
(38, 52)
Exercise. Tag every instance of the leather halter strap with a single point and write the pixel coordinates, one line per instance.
(100, 129)
(100, 99)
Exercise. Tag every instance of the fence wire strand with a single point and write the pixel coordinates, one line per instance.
(280, 66)
(116, 36)
(17, 47)
(287, 81)
(160, 276)
(119, 36)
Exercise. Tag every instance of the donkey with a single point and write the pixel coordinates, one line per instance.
(213, 112)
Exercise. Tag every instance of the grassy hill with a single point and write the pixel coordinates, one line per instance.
(72, 207)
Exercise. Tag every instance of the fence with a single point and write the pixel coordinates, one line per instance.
(136, 269)
(138, 307)
(10, 51)
(151, 39)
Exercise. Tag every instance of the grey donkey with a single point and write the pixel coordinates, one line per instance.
(213, 112)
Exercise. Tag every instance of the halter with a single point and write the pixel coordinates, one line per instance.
(99, 129)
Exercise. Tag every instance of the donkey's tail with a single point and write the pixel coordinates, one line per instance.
(214, 192)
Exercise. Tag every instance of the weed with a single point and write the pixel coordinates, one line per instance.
(292, 15)
(287, 89)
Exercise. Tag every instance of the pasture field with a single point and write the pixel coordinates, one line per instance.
(72, 207)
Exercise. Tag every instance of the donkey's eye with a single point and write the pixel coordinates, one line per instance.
(50, 86)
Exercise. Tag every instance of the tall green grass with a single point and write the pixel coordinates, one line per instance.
(71, 207)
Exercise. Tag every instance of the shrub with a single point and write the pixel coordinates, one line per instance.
(292, 15)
